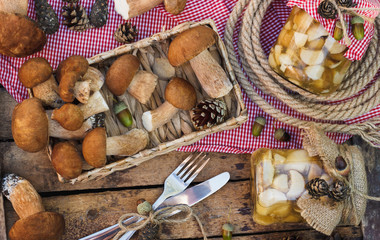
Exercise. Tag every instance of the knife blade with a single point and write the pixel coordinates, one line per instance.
(190, 196)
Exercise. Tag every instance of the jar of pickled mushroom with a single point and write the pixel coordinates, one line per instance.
(307, 56)
(278, 180)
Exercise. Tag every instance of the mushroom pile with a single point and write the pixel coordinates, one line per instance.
(280, 177)
(307, 56)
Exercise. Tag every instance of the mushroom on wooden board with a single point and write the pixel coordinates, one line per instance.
(132, 8)
(179, 94)
(30, 125)
(96, 146)
(124, 74)
(174, 6)
(66, 160)
(36, 73)
(19, 36)
(191, 45)
(34, 223)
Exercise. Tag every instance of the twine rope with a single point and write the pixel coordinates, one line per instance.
(162, 215)
(328, 116)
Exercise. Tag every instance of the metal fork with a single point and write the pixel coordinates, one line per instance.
(175, 183)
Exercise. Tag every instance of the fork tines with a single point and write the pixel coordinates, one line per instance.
(191, 168)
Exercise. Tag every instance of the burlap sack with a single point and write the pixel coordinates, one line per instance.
(325, 216)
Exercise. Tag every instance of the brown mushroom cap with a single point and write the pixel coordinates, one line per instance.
(121, 73)
(19, 36)
(189, 44)
(75, 63)
(66, 160)
(69, 116)
(34, 71)
(181, 94)
(39, 226)
(30, 125)
(94, 147)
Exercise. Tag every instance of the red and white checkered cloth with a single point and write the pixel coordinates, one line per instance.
(357, 48)
(65, 43)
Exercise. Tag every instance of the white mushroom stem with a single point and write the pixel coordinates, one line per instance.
(159, 116)
(128, 144)
(163, 69)
(92, 81)
(95, 104)
(56, 130)
(132, 8)
(47, 92)
(211, 75)
(142, 86)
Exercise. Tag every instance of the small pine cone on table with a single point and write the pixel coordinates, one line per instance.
(99, 13)
(47, 19)
(208, 113)
(76, 18)
(317, 188)
(126, 33)
(339, 191)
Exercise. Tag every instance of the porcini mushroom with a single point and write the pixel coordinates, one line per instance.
(124, 74)
(191, 45)
(96, 146)
(132, 8)
(30, 125)
(34, 223)
(174, 6)
(70, 71)
(69, 116)
(36, 73)
(91, 82)
(179, 94)
(19, 36)
(66, 160)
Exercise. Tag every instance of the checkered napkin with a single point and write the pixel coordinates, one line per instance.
(357, 48)
(65, 43)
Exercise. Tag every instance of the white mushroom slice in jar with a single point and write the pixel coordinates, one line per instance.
(338, 78)
(302, 167)
(271, 60)
(312, 57)
(285, 60)
(298, 156)
(333, 46)
(332, 64)
(316, 44)
(302, 21)
(314, 72)
(280, 182)
(316, 31)
(277, 52)
(268, 172)
(300, 39)
(314, 172)
(292, 72)
(270, 197)
(296, 185)
(278, 159)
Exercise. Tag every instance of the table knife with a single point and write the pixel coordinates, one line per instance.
(190, 197)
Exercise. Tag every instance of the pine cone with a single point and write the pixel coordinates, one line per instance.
(339, 191)
(46, 17)
(317, 188)
(208, 113)
(327, 10)
(99, 13)
(75, 17)
(70, 1)
(149, 232)
(346, 3)
(126, 33)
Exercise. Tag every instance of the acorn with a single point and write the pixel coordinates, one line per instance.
(227, 230)
(342, 166)
(338, 31)
(123, 114)
(258, 126)
(281, 135)
(357, 24)
(143, 207)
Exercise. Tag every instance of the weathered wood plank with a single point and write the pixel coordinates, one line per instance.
(6, 108)
(88, 213)
(371, 221)
(37, 168)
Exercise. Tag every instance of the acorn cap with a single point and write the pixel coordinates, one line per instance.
(121, 73)
(94, 147)
(42, 225)
(34, 71)
(190, 43)
(181, 94)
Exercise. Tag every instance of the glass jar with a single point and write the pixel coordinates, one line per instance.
(307, 56)
(278, 180)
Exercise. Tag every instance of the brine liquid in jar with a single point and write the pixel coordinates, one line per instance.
(279, 179)
(306, 55)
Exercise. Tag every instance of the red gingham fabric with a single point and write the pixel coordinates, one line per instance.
(65, 43)
(357, 48)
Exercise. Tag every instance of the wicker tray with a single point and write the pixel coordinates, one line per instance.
(177, 133)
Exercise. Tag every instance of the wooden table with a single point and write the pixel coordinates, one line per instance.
(89, 207)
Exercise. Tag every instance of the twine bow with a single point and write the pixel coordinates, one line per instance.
(351, 11)
(162, 215)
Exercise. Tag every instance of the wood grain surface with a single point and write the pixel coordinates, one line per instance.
(89, 207)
